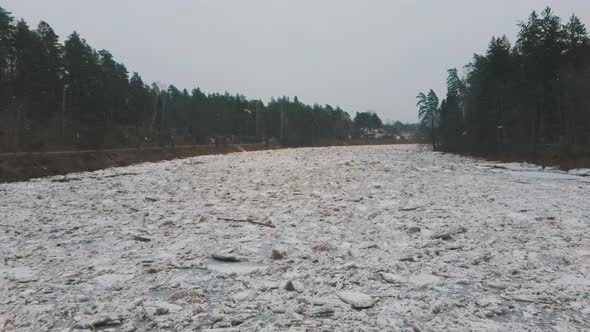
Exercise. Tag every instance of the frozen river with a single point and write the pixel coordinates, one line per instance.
(372, 238)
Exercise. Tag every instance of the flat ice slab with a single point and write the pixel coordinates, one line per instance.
(357, 300)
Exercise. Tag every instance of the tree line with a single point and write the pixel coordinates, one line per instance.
(521, 98)
(71, 95)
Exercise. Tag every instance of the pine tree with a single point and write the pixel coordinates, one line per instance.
(82, 75)
(114, 86)
(576, 35)
(451, 111)
(5, 39)
(428, 113)
(48, 72)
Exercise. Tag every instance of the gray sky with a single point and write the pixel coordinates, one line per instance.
(360, 55)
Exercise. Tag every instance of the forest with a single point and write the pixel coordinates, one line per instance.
(530, 98)
(56, 96)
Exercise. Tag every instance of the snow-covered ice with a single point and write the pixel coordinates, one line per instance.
(420, 241)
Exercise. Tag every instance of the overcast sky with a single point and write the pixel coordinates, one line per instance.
(361, 55)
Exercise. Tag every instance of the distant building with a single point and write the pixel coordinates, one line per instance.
(378, 133)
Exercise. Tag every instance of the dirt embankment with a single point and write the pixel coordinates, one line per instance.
(25, 166)
(20, 167)
(565, 158)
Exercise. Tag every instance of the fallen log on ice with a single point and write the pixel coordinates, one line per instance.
(225, 257)
(249, 220)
